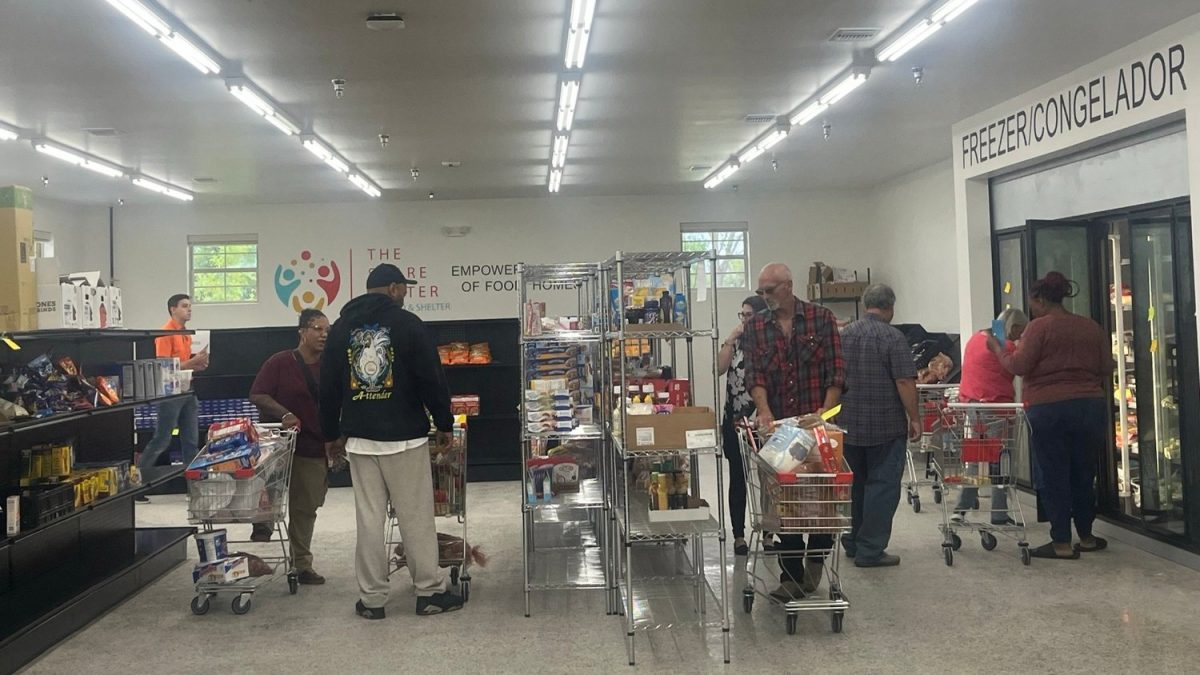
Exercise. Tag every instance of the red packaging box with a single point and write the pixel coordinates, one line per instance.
(680, 392)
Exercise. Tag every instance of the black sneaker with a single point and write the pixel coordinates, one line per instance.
(371, 613)
(261, 534)
(438, 603)
(142, 499)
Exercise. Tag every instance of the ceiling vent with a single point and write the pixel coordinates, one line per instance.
(700, 167)
(101, 131)
(854, 34)
(759, 118)
(204, 179)
(390, 21)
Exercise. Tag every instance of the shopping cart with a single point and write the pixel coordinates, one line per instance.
(248, 496)
(794, 503)
(977, 464)
(449, 506)
(935, 421)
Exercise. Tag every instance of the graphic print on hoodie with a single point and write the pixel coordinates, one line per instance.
(371, 358)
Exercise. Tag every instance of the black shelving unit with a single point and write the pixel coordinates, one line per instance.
(56, 578)
(494, 436)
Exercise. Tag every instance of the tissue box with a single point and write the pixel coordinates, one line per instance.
(222, 571)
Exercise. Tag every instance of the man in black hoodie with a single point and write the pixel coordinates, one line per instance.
(379, 375)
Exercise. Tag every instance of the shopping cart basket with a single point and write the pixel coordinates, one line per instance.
(252, 495)
(977, 465)
(935, 420)
(794, 503)
(449, 506)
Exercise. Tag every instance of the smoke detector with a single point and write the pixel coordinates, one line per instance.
(385, 21)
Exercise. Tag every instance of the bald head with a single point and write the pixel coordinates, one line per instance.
(775, 286)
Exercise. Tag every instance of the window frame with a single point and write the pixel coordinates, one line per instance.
(223, 241)
(712, 229)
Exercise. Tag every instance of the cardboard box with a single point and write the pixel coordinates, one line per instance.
(653, 327)
(698, 512)
(684, 429)
(18, 282)
(222, 571)
(837, 291)
(116, 308)
(58, 306)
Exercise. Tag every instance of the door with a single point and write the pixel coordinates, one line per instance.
(1010, 271)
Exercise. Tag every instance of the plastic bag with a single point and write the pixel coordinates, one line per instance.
(788, 448)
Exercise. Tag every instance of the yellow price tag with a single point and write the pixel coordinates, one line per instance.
(1151, 313)
(1154, 346)
(12, 344)
(831, 413)
(1008, 287)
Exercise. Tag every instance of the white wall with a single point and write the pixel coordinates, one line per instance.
(914, 215)
(80, 234)
(151, 244)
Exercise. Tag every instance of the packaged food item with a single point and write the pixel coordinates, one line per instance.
(460, 353)
(212, 546)
(219, 430)
(444, 354)
(480, 354)
(222, 571)
(12, 515)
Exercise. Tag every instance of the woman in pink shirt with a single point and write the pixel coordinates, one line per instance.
(986, 380)
(1064, 360)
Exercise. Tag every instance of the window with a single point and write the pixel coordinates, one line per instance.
(223, 269)
(43, 244)
(731, 244)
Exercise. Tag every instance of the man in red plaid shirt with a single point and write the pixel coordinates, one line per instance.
(794, 367)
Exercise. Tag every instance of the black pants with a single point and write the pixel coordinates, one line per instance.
(737, 478)
(791, 549)
(1067, 438)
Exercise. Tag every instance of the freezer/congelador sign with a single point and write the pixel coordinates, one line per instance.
(1109, 95)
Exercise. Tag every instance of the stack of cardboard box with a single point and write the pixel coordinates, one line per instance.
(18, 294)
(833, 283)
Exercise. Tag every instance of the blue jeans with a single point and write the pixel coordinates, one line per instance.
(1067, 439)
(181, 414)
(874, 496)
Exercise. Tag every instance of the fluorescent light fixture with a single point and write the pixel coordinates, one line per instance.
(728, 169)
(163, 189)
(191, 53)
(808, 113)
(915, 36)
(251, 99)
(559, 155)
(842, 89)
(365, 185)
(326, 155)
(282, 124)
(764, 144)
(568, 97)
(79, 159)
(555, 180)
(104, 169)
(579, 32)
(8, 133)
(142, 16)
(951, 10)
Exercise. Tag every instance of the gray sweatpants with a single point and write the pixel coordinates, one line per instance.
(404, 478)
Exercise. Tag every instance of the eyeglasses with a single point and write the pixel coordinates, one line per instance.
(745, 315)
(767, 290)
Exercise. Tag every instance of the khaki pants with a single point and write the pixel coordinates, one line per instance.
(406, 479)
(310, 482)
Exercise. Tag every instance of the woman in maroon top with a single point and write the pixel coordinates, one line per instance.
(1064, 359)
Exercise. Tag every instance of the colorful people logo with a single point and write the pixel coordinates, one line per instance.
(307, 284)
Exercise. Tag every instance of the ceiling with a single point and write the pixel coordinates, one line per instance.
(666, 86)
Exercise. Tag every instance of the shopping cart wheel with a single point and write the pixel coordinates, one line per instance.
(916, 504)
(956, 541)
(200, 605)
(293, 583)
(949, 553)
(241, 604)
(1026, 554)
(791, 623)
(937, 496)
(909, 494)
(454, 575)
(465, 590)
(748, 601)
(835, 621)
(835, 592)
(988, 541)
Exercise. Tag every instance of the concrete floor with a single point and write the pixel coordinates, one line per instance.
(1118, 611)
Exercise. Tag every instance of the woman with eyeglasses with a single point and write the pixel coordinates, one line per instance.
(731, 362)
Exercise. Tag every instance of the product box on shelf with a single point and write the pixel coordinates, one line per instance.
(840, 291)
(684, 428)
(18, 281)
(697, 510)
(57, 299)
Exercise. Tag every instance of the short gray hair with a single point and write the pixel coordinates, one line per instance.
(1012, 317)
(879, 296)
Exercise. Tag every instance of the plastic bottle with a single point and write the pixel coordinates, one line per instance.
(681, 309)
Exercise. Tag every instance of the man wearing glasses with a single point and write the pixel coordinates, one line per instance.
(794, 367)
(286, 390)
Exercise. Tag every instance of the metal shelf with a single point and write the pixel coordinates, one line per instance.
(92, 334)
(583, 432)
(657, 262)
(636, 525)
(619, 446)
(58, 418)
(670, 602)
(565, 569)
(590, 496)
(563, 273)
(565, 337)
(678, 334)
